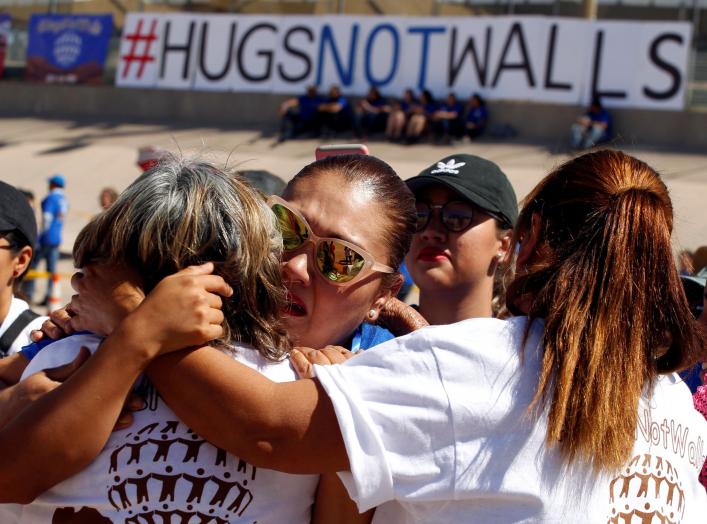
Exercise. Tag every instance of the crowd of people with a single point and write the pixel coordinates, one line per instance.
(407, 120)
(412, 118)
(272, 376)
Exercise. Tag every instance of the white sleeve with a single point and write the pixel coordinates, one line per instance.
(61, 352)
(394, 415)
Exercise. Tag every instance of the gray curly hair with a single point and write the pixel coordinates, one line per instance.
(185, 212)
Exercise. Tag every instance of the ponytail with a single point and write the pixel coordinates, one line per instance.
(614, 309)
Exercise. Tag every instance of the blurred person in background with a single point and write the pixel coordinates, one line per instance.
(334, 113)
(399, 115)
(149, 156)
(371, 115)
(298, 115)
(477, 117)
(420, 115)
(446, 121)
(55, 208)
(107, 197)
(592, 128)
(466, 209)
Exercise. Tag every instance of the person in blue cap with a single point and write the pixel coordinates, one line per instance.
(54, 210)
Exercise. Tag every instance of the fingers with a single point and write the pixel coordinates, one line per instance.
(216, 284)
(134, 402)
(214, 301)
(336, 354)
(302, 365)
(36, 334)
(51, 330)
(61, 319)
(203, 269)
(125, 420)
(61, 373)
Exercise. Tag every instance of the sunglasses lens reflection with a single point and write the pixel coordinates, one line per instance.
(423, 216)
(457, 216)
(294, 231)
(338, 262)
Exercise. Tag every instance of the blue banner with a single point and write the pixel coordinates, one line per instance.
(4, 35)
(68, 48)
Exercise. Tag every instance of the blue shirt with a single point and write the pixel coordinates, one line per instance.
(368, 335)
(54, 210)
(452, 108)
(601, 117)
(308, 106)
(477, 116)
(430, 108)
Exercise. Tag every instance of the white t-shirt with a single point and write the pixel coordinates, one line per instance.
(436, 430)
(158, 470)
(17, 306)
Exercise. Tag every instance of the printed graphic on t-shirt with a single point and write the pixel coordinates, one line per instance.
(647, 491)
(162, 470)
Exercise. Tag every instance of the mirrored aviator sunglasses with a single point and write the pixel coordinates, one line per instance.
(339, 262)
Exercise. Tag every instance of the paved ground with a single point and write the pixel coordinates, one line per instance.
(92, 156)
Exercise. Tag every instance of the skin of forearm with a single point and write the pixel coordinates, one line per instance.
(332, 504)
(7, 405)
(62, 432)
(11, 369)
(282, 426)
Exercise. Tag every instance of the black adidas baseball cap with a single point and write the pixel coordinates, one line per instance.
(16, 214)
(476, 180)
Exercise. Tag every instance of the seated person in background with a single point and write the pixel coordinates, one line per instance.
(447, 119)
(372, 114)
(334, 113)
(299, 115)
(592, 128)
(420, 115)
(477, 117)
(399, 114)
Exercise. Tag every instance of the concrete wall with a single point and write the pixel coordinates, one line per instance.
(534, 122)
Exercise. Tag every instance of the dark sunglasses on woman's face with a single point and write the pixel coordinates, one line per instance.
(455, 216)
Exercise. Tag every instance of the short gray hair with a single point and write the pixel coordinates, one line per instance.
(185, 212)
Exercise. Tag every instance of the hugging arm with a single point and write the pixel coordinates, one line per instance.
(61, 432)
(288, 426)
(281, 426)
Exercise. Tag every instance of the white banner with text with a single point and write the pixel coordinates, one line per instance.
(544, 59)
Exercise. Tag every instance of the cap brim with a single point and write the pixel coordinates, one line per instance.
(695, 279)
(422, 181)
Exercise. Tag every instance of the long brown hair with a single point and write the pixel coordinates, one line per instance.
(604, 280)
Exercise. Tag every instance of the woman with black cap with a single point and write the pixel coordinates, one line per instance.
(466, 209)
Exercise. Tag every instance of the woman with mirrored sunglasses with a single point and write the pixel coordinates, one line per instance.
(347, 222)
(466, 208)
(530, 419)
